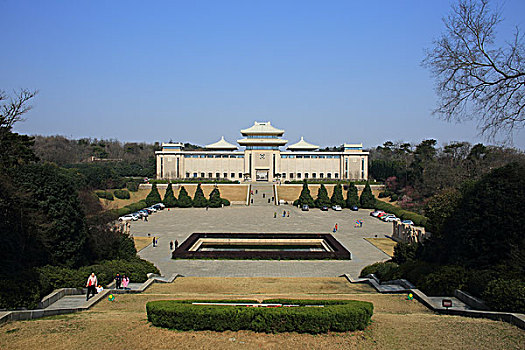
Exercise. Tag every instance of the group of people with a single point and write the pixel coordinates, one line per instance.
(121, 282)
(285, 214)
(176, 244)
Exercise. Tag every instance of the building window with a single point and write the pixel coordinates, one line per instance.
(194, 174)
(321, 175)
(291, 175)
(217, 175)
(329, 175)
(306, 175)
(210, 175)
(314, 175)
(202, 175)
(298, 175)
(188, 175)
(233, 175)
(362, 168)
(283, 175)
(240, 175)
(336, 175)
(225, 175)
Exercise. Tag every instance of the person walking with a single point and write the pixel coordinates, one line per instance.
(284, 213)
(118, 280)
(336, 227)
(171, 245)
(91, 285)
(153, 241)
(176, 244)
(288, 214)
(125, 282)
(274, 214)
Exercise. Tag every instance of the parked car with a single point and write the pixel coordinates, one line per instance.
(337, 208)
(305, 208)
(376, 213)
(408, 222)
(324, 208)
(143, 213)
(152, 209)
(390, 218)
(354, 208)
(381, 215)
(128, 217)
(159, 206)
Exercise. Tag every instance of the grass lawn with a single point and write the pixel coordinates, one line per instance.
(397, 322)
(384, 244)
(142, 242)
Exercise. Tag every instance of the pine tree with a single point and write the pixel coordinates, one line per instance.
(367, 199)
(337, 196)
(199, 201)
(305, 198)
(184, 199)
(215, 198)
(322, 197)
(352, 199)
(153, 196)
(169, 198)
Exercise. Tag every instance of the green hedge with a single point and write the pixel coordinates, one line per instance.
(121, 194)
(105, 195)
(505, 295)
(419, 220)
(130, 208)
(54, 277)
(336, 315)
(385, 271)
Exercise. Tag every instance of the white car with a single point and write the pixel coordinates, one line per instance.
(337, 208)
(129, 217)
(390, 218)
(161, 205)
(376, 213)
(153, 210)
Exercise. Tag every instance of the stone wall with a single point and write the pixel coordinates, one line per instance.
(408, 233)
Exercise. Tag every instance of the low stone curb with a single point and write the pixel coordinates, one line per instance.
(405, 286)
(20, 315)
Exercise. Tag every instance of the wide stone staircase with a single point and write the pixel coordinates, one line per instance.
(262, 194)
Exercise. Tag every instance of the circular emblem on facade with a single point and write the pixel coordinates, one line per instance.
(262, 156)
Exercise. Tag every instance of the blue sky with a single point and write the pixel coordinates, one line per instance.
(333, 71)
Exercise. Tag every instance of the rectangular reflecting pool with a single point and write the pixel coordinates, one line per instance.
(295, 246)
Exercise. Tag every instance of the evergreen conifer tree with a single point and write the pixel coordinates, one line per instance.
(322, 197)
(169, 198)
(367, 199)
(153, 196)
(305, 197)
(337, 196)
(184, 199)
(199, 201)
(351, 196)
(215, 198)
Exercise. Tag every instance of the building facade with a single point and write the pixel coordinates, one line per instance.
(262, 159)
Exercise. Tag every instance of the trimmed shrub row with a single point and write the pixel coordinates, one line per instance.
(336, 315)
(419, 220)
(196, 180)
(105, 195)
(121, 194)
(130, 208)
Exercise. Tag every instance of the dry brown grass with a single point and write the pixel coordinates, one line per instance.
(384, 244)
(397, 323)
(142, 242)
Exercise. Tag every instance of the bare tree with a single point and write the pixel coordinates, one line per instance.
(13, 108)
(475, 78)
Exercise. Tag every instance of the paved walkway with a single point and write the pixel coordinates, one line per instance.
(178, 224)
(262, 194)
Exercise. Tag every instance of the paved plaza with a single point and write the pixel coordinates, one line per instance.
(178, 224)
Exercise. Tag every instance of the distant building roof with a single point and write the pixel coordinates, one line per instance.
(303, 145)
(262, 128)
(221, 144)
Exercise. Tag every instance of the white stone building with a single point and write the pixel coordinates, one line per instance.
(261, 159)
